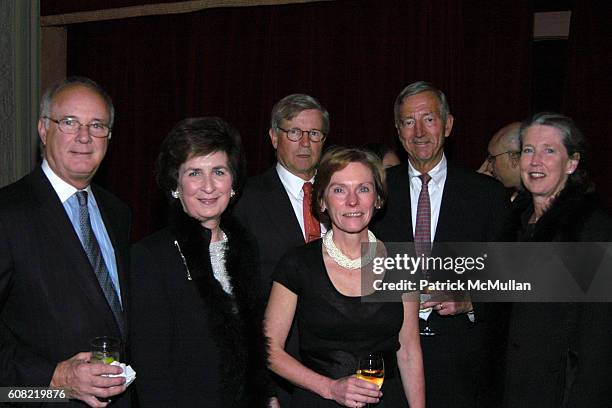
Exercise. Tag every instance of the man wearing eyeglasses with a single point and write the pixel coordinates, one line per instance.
(275, 205)
(63, 246)
(502, 162)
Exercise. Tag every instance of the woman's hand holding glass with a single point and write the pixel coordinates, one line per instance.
(354, 392)
(371, 368)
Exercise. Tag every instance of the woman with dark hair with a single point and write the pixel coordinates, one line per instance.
(322, 287)
(559, 354)
(197, 306)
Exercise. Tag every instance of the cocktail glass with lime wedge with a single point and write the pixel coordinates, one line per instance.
(104, 350)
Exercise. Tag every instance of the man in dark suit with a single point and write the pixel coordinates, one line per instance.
(273, 205)
(463, 207)
(63, 244)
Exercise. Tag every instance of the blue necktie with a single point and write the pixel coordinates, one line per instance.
(92, 249)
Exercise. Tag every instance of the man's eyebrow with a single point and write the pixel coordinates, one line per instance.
(70, 116)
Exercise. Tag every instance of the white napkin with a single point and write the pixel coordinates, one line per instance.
(128, 373)
(424, 297)
(425, 315)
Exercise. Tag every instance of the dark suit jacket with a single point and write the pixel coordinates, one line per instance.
(51, 303)
(474, 208)
(264, 208)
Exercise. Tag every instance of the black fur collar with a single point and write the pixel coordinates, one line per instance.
(563, 221)
(236, 320)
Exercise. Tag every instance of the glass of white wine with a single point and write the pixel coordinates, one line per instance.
(371, 368)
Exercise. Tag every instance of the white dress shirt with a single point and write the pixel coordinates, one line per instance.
(436, 189)
(66, 194)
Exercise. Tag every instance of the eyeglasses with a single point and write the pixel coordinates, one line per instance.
(491, 157)
(72, 126)
(295, 134)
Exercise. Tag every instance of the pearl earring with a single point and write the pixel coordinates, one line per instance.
(175, 194)
(232, 193)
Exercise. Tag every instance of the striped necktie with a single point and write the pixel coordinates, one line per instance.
(422, 230)
(92, 249)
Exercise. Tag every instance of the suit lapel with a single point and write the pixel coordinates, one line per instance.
(280, 211)
(401, 187)
(114, 229)
(54, 215)
(447, 221)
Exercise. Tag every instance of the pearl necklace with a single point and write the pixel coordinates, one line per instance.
(343, 260)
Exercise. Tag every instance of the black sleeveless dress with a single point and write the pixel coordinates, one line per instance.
(335, 329)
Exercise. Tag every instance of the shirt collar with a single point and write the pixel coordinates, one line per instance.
(64, 190)
(293, 184)
(437, 174)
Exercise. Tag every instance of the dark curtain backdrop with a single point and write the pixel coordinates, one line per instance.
(588, 90)
(354, 56)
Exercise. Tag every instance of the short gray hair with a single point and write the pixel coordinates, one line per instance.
(291, 106)
(53, 90)
(417, 88)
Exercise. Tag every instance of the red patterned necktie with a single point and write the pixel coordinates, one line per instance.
(312, 228)
(422, 230)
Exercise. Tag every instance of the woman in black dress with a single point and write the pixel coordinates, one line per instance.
(320, 285)
(197, 306)
(559, 354)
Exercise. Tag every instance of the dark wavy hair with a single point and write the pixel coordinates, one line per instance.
(337, 158)
(199, 137)
(574, 141)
